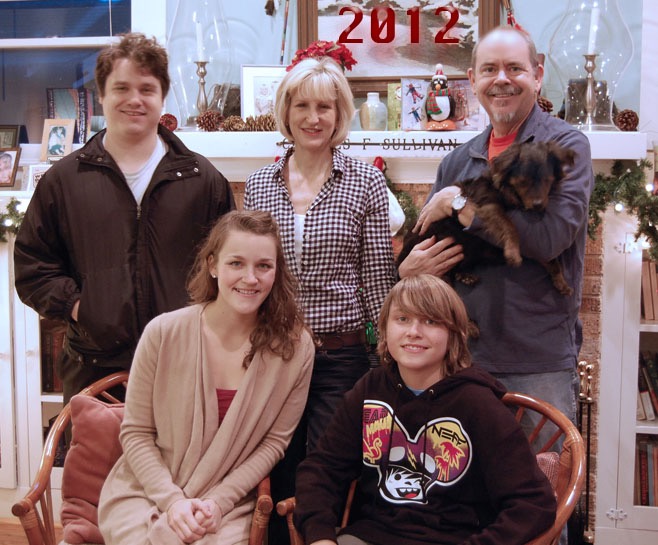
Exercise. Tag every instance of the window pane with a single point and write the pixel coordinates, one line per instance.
(64, 18)
(25, 76)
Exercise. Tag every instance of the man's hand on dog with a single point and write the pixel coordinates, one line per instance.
(431, 257)
(439, 207)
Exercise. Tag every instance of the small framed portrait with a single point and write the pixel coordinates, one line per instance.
(8, 166)
(57, 139)
(9, 135)
(32, 174)
(258, 89)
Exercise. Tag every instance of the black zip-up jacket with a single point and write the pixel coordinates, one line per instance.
(85, 237)
(448, 466)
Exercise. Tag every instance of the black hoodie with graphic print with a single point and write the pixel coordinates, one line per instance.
(449, 466)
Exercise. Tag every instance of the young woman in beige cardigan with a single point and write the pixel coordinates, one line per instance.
(215, 392)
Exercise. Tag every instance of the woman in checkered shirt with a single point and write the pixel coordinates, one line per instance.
(333, 217)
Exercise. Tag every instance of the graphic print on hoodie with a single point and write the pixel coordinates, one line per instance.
(439, 454)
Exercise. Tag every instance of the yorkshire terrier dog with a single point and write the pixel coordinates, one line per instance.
(521, 177)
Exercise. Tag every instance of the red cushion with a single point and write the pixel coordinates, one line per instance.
(93, 451)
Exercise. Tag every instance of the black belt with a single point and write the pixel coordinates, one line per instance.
(336, 341)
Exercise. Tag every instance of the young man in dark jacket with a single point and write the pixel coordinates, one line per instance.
(439, 458)
(110, 232)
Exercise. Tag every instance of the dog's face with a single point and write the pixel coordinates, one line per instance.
(526, 173)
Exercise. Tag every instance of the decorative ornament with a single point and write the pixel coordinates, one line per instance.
(439, 104)
(627, 120)
(626, 187)
(234, 123)
(321, 48)
(210, 121)
(11, 219)
(511, 20)
(545, 104)
(169, 121)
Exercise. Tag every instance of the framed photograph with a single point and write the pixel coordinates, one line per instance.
(391, 43)
(258, 88)
(9, 135)
(9, 166)
(413, 116)
(32, 174)
(467, 113)
(57, 139)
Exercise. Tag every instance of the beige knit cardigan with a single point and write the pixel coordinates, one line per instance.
(172, 445)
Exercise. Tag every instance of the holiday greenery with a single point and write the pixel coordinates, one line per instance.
(10, 220)
(627, 189)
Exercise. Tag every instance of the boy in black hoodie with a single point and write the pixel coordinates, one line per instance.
(439, 458)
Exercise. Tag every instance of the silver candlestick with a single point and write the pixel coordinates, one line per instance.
(590, 95)
(202, 98)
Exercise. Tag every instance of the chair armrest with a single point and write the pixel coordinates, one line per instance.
(262, 511)
(285, 508)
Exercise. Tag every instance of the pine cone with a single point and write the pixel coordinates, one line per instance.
(265, 122)
(169, 121)
(545, 104)
(627, 120)
(210, 120)
(234, 123)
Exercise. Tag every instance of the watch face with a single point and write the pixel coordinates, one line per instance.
(458, 202)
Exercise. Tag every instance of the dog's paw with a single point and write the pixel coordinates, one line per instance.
(468, 279)
(513, 257)
(562, 286)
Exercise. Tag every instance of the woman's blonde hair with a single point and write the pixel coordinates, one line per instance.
(321, 79)
(280, 320)
(430, 297)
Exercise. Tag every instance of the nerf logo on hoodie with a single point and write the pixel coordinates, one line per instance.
(408, 467)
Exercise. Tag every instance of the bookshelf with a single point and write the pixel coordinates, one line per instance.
(620, 517)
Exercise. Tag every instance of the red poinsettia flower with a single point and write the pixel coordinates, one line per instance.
(322, 48)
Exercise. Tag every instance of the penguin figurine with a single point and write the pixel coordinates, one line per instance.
(439, 104)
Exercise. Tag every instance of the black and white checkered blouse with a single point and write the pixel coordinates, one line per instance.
(346, 242)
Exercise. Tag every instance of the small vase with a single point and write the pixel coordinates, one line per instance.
(373, 114)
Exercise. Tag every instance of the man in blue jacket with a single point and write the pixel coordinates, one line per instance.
(530, 334)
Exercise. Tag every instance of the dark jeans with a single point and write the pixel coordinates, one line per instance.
(334, 373)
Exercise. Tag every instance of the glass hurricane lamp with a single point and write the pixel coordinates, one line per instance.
(590, 50)
(200, 58)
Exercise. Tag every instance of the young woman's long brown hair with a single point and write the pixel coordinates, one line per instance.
(280, 320)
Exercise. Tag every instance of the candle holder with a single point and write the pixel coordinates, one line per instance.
(590, 96)
(589, 51)
(200, 53)
(201, 97)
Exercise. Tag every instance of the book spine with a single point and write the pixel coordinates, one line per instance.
(47, 367)
(654, 439)
(652, 370)
(643, 468)
(653, 395)
(50, 102)
(651, 477)
(647, 298)
(83, 114)
(643, 392)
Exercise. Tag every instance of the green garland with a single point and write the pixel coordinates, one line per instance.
(627, 189)
(10, 221)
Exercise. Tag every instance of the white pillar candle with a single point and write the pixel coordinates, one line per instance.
(593, 29)
(200, 54)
